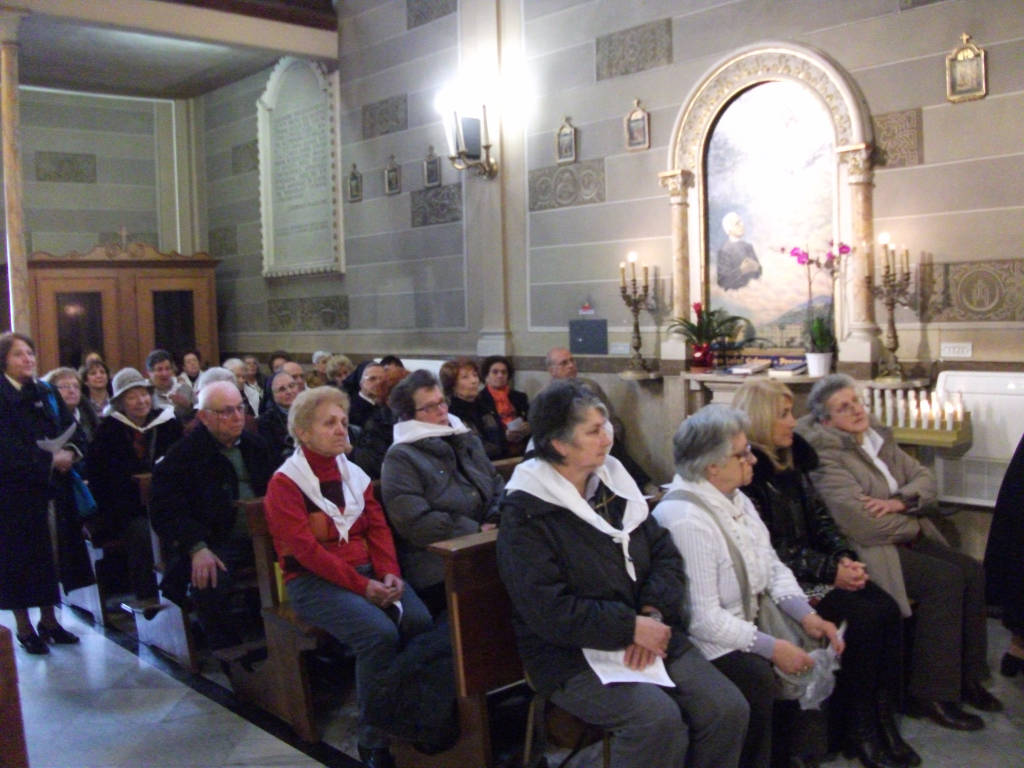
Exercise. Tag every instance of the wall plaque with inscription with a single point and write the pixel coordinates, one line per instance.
(299, 171)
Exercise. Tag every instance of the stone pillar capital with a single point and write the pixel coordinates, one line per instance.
(676, 182)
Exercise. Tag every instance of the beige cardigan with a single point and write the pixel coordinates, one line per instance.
(846, 471)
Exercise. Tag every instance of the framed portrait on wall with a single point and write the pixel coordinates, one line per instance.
(565, 142)
(965, 72)
(638, 128)
(431, 169)
(392, 177)
(355, 185)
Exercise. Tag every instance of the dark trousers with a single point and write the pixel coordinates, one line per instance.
(139, 543)
(950, 639)
(220, 624)
(754, 676)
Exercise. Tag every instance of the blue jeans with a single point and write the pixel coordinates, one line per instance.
(364, 628)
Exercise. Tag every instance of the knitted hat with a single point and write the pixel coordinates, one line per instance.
(128, 378)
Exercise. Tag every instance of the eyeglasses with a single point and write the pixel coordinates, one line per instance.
(743, 455)
(229, 410)
(434, 407)
(285, 388)
(69, 385)
(849, 407)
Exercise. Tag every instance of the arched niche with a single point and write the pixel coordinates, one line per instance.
(685, 178)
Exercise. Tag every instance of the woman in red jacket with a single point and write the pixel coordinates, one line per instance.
(336, 551)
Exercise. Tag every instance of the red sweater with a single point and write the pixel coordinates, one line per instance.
(369, 538)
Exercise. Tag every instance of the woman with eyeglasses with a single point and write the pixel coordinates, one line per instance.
(702, 507)
(808, 541)
(882, 499)
(69, 386)
(272, 424)
(437, 482)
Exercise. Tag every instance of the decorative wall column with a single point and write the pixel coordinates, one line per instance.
(678, 184)
(14, 224)
(861, 344)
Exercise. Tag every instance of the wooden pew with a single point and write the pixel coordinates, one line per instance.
(94, 597)
(13, 753)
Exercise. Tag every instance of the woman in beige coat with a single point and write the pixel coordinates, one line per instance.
(881, 499)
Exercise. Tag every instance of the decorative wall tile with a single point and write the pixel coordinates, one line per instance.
(635, 49)
(419, 12)
(66, 166)
(899, 138)
(561, 186)
(316, 313)
(223, 241)
(437, 205)
(385, 116)
(975, 291)
(245, 157)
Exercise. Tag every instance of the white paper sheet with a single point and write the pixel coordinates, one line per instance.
(610, 667)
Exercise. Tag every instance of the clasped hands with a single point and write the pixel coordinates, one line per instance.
(385, 592)
(650, 642)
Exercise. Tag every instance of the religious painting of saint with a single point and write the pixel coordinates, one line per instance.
(737, 261)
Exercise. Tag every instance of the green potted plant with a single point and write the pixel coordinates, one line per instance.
(712, 328)
(820, 333)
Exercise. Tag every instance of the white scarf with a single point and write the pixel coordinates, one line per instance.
(354, 483)
(541, 479)
(411, 430)
(166, 414)
(872, 445)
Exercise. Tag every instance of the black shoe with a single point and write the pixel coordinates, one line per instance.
(376, 757)
(33, 643)
(57, 634)
(869, 750)
(890, 733)
(1011, 665)
(975, 695)
(948, 714)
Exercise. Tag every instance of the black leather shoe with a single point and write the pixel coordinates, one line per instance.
(33, 643)
(1011, 665)
(948, 714)
(975, 695)
(890, 733)
(871, 753)
(57, 634)
(376, 757)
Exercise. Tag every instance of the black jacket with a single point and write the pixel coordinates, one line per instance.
(272, 426)
(803, 532)
(485, 424)
(1005, 550)
(371, 445)
(570, 589)
(193, 495)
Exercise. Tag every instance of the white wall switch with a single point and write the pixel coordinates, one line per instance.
(960, 349)
(618, 348)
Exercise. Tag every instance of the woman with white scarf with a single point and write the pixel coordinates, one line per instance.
(598, 593)
(336, 551)
(713, 460)
(436, 482)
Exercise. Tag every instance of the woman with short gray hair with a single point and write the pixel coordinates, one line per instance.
(702, 507)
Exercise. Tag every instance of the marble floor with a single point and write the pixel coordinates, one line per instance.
(108, 703)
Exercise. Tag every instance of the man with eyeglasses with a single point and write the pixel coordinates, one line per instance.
(273, 422)
(367, 401)
(192, 508)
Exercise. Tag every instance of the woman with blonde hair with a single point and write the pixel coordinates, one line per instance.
(808, 541)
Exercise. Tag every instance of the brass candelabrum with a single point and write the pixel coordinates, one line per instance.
(635, 298)
(893, 290)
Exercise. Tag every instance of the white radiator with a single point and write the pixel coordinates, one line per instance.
(996, 404)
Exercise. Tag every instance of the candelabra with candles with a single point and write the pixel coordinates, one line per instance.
(918, 417)
(636, 299)
(893, 290)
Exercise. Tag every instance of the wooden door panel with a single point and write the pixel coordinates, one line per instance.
(55, 293)
(204, 310)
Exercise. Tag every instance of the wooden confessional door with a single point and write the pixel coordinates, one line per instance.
(81, 312)
(177, 312)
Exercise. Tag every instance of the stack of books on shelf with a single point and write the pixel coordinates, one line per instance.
(786, 370)
(749, 367)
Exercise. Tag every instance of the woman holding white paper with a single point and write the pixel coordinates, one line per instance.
(598, 593)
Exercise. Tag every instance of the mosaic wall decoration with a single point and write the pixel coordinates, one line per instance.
(976, 291)
(419, 12)
(245, 157)
(315, 313)
(66, 167)
(436, 205)
(634, 50)
(899, 138)
(386, 116)
(563, 186)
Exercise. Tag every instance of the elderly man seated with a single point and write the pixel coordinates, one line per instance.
(192, 507)
(368, 400)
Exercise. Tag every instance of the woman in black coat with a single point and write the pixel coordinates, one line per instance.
(510, 407)
(30, 477)
(809, 542)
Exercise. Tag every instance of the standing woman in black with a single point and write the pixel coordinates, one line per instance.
(30, 477)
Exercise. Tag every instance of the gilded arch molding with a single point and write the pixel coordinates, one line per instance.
(685, 178)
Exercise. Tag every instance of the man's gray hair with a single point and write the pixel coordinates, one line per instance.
(706, 438)
(822, 391)
(212, 374)
(212, 387)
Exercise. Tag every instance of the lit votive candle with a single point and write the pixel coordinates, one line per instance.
(926, 413)
(949, 415)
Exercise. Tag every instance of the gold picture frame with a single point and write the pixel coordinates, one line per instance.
(965, 72)
(431, 169)
(355, 185)
(565, 142)
(637, 127)
(392, 177)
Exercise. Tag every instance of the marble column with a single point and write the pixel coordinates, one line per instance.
(678, 184)
(861, 345)
(14, 224)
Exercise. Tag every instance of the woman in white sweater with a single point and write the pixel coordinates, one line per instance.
(713, 460)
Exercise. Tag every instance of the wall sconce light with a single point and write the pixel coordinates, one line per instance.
(465, 128)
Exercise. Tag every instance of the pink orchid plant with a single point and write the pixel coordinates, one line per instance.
(820, 330)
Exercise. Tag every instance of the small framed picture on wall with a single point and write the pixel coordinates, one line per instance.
(965, 72)
(355, 185)
(638, 128)
(565, 142)
(392, 177)
(431, 169)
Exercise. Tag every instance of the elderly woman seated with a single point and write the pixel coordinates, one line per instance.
(808, 541)
(272, 424)
(709, 518)
(336, 551)
(509, 406)
(881, 498)
(436, 481)
(597, 590)
(68, 384)
(128, 442)
(460, 382)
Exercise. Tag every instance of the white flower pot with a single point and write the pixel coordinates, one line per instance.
(819, 363)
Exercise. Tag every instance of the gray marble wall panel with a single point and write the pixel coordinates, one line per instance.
(564, 69)
(419, 12)
(555, 304)
(533, 9)
(420, 75)
(89, 220)
(422, 110)
(249, 317)
(322, 313)
(419, 311)
(563, 186)
(389, 53)
(437, 205)
(634, 50)
(425, 274)
(979, 291)
(984, 183)
(223, 241)
(958, 235)
(594, 223)
(385, 116)
(406, 245)
(126, 170)
(1002, 117)
(898, 138)
(373, 217)
(83, 116)
(245, 157)
(231, 213)
(597, 261)
(65, 167)
(218, 165)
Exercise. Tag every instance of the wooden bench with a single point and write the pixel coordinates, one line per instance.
(13, 753)
(94, 598)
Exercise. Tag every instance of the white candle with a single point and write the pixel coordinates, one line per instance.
(485, 137)
(936, 407)
(926, 413)
(867, 399)
(631, 257)
(912, 414)
(878, 404)
(958, 406)
(912, 400)
(949, 415)
(901, 409)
